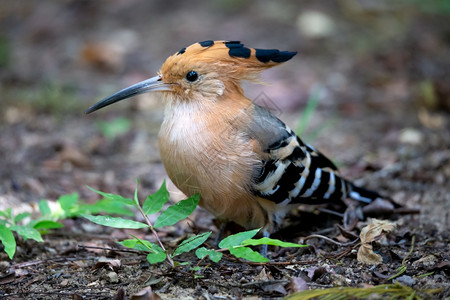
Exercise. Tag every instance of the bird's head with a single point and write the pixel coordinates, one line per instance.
(204, 70)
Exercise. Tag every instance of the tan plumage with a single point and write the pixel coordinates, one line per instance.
(246, 164)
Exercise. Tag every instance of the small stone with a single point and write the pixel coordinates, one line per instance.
(4, 265)
(212, 289)
(406, 280)
(65, 282)
(243, 280)
(112, 277)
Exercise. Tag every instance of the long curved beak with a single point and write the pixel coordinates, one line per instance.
(151, 84)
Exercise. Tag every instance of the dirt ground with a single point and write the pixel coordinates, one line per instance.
(383, 75)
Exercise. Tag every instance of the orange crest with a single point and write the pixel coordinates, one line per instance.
(226, 57)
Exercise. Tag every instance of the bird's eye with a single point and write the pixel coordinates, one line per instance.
(191, 76)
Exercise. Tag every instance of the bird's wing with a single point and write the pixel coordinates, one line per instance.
(292, 171)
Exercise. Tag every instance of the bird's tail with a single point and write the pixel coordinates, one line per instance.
(362, 194)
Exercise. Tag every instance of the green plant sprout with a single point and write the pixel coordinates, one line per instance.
(402, 269)
(32, 227)
(237, 244)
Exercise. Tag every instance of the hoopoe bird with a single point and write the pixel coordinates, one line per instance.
(246, 164)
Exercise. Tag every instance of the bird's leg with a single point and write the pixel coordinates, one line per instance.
(264, 247)
(219, 235)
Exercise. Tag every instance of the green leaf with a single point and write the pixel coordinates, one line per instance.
(27, 232)
(134, 244)
(269, 241)
(47, 224)
(213, 254)
(157, 257)
(44, 208)
(155, 202)
(107, 206)
(129, 243)
(191, 243)
(177, 212)
(114, 197)
(21, 216)
(68, 202)
(151, 247)
(156, 254)
(248, 254)
(8, 241)
(237, 239)
(7, 213)
(141, 245)
(115, 222)
(195, 269)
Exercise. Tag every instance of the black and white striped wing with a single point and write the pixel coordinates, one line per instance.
(294, 172)
(297, 173)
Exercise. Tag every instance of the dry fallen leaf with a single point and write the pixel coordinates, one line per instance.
(111, 264)
(297, 284)
(373, 231)
(262, 276)
(274, 287)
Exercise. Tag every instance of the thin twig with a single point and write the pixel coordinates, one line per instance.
(155, 234)
(42, 261)
(330, 240)
(331, 212)
(110, 249)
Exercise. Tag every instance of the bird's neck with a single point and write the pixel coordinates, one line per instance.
(204, 117)
(227, 105)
